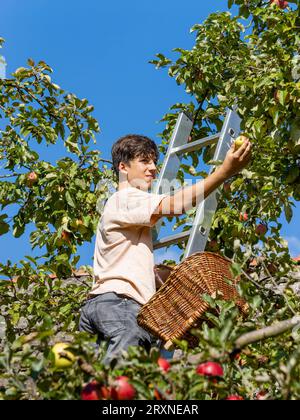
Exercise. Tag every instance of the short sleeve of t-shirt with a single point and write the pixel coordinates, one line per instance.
(135, 207)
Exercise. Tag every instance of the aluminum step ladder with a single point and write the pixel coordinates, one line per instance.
(197, 236)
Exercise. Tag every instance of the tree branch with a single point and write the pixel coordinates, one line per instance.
(9, 176)
(267, 332)
(105, 160)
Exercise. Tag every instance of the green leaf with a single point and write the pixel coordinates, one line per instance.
(207, 298)
(80, 183)
(227, 328)
(293, 174)
(236, 269)
(20, 70)
(70, 200)
(295, 133)
(282, 96)
(65, 309)
(4, 227)
(288, 212)
(18, 230)
(256, 302)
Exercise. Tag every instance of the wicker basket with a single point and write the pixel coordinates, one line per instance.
(178, 305)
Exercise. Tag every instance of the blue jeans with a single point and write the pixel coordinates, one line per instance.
(114, 319)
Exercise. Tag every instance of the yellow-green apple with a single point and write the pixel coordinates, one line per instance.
(65, 220)
(78, 222)
(239, 141)
(63, 358)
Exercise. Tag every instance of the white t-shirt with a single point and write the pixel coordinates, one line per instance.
(123, 258)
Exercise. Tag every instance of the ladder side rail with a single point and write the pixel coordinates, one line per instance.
(172, 162)
(207, 208)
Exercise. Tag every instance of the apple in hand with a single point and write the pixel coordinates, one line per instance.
(62, 358)
(239, 141)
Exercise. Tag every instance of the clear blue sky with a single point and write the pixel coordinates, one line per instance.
(100, 50)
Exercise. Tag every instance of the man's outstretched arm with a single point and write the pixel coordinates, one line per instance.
(188, 197)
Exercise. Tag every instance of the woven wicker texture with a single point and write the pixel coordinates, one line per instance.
(178, 305)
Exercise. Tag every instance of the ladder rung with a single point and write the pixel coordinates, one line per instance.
(172, 239)
(196, 145)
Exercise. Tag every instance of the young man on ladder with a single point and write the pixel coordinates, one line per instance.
(124, 277)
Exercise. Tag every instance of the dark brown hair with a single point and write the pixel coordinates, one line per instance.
(132, 146)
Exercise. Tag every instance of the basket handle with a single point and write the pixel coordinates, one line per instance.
(162, 273)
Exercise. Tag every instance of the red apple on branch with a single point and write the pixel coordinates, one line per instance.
(244, 217)
(31, 178)
(91, 391)
(261, 395)
(65, 236)
(122, 389)
(261, 229)
(210, 369)
(234, 398)
(163, 364)
(213, 245)
(227, 187)
(272, 269)
(78, 222)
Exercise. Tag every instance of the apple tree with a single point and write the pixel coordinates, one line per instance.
(247, 57)
(59, 200)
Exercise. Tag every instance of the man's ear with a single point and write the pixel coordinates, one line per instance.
(122, 167)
